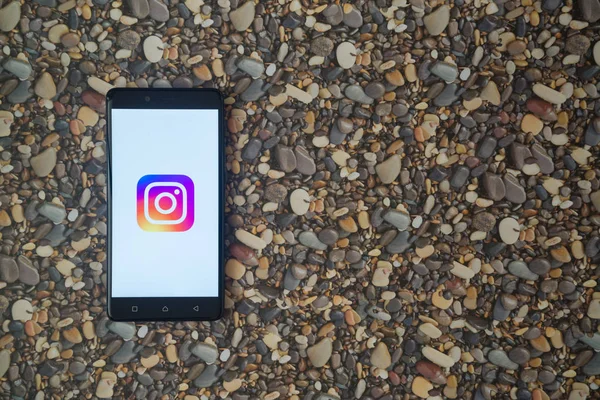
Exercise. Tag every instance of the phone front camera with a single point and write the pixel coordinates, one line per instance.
(147, 98)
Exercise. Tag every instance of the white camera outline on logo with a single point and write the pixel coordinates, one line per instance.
(184, 200)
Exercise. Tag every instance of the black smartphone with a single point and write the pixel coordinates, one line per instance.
(165, 216)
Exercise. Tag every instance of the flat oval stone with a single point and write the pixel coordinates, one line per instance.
(519, 269)
(494, 186)
(310, 239)
(357, 93)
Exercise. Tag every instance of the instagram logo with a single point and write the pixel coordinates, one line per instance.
(165, 203)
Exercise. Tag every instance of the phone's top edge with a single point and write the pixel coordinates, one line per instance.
(184, 98)
(141, 90)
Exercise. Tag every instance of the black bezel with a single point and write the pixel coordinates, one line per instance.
(179, 308)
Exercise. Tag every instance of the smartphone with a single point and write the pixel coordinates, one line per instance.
(165, 199)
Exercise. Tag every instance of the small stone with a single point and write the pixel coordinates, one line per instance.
(195, 6)
(561, 254)
(593, 366)
(88, 116)
(153, 48)
(431, 372)
(252, 148)
(421, 387)
(462, 271)
(234, 269)
(380, 357)
(206, 352)
(519, 355)
(348, 224)
(594, 309)
(357, 93)
(548, 94)
(22, 310)
(242, 17)
(45, 87)
(320, 353)
(21, 69)
(346, 55)
(9, 271)
(276, 192)
(310, 239)
(531, 124)
(322, 46)
(139, 8)
(399, 219)
(56, 32)
(9, 16)
(577, 44)
(158, 11)
(516, 47)
(298, 94)
(509, 230)
(580, 155)
(99, 85)
(437, 21)
(28, 274)
(375, 90)
(53, 212)
(519, 269)
(44, 163)
(4, 362)
(438, 300)
(590, 9)
(540, 266)
(107, 381)
(400, 244)
(514, 191)
(70, 39)
(437, 357)
(541, 344)
(329, 236)
(484, 222)
(202, 72)
(490, 93)
(73, 335)
(125, 354)
(126, 330)
(595, 198)
(596, 53)
(65, 267)
(352, 17)
(300, 201)
(254, 242)
(395, 78)
(4, 218)
(6, 121)
(253, 67)
(285, 158)
(388, 170)
(381, 276)
(430, 330)
(446, 71)
(500, 358)
(208, 377)
(305, 164)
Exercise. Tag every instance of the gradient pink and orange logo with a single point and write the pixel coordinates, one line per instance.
(165, 203)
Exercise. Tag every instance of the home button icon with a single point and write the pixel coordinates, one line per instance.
(165, 309)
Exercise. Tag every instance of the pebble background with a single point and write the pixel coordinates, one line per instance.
(413, 199)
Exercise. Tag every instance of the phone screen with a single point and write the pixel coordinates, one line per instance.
(165, 203)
